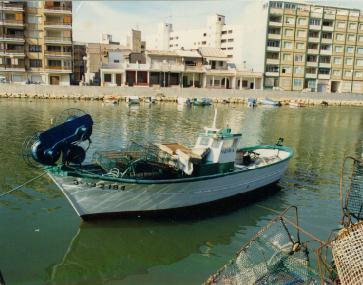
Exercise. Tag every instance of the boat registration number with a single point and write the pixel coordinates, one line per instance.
(100, 185)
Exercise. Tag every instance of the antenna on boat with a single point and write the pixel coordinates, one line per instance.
(215, 119)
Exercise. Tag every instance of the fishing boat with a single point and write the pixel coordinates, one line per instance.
(131, 100)
(269, 102)
(183, 101)
(152, 177)
(252, 102)
(150, 99)
(201, 101)
(111, 100)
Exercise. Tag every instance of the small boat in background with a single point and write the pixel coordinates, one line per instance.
(252, 102)
(297, 104)
(202, 101)
(150, 99)
(269, 102)
(183, 101)
(132, 100)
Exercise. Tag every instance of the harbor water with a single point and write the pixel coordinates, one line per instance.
(43, 241)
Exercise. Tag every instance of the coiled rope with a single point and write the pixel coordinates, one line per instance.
(22, 185)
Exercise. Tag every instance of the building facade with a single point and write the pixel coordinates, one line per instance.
(36, 41)
(216, 34)
(202, 68)
(314, 47)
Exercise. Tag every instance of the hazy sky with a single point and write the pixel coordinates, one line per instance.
(91, 18)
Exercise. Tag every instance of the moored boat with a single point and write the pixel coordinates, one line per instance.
(252, 102)
(132, 100)
(150, 99)
(201, 101)
(296, 104)
(183, 101)
(154, 177)
(269, 102)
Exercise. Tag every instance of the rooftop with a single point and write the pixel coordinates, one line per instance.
(212, 52)
(161, 52)
(188, 53)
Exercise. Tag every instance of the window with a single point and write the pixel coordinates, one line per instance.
(350, 49)
(230, 48)
(276, 5)
(204, 42)
(35, 63)
(222, 41)
(116, 61)
(339, 37)
(327, 23)
(204, 34)
(328, 36)
(272, 68)
(35, 34)
(311, 58)
(271, 43)
(313, 34)
(361, 27)
(326, 47)
(287, 57)
(35, 48)
(336, 72)
(347, 73)
(341, 25)
(286, 69)
(300, 45)
(325, 59)
(224, 32)
(299, 57)
(33, 19)
(289, 20)
(359, 62)
(288, 45)
(351, 38)
(337, 60)
(290, 6)
(325, 71)
(302, 21)
(301, 33)
(230, 31)
(349, 61)
(297, 82)
(339, 49)
(289, 32)
(229, 56)
(107, 77)
(358, 74)
(299, 70)
(313, 46)
(314, 22)
(353, 26)
(360, 50)
(34, 4)
(230, 40)
(360, 38)
(311, 70)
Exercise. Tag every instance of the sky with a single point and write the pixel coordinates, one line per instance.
(92, 18)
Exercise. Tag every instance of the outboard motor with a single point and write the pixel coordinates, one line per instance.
(47, 147)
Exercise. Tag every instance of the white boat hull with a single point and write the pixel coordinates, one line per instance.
(97, 197)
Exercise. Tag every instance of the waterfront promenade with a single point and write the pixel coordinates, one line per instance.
(170, 94)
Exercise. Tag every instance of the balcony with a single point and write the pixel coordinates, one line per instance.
(275, 24)
(313, 40)
(13, 23)
(313, 51)
(12, 52)
(324, 76)
(167, 67)
(195, 68)
(315, 27)
(312, 63)
(271, 73)
(50, 53)
(12, 38)
(18, 7)
(137, 66)
(274, 36)
(60, 69)
(328, 28)
(311, 75)
(325, 64)
(272, 61)
(329, 16)
(326, 51)
(326, 41)
(276, 11)
(273, 48)
(57, 10)
(58, 40)
(57, 24)
(12, 67)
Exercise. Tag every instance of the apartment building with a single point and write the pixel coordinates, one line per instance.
(313, 46)
(216, 34)
(36, 41)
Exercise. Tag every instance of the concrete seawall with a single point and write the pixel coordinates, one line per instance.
(170, 94)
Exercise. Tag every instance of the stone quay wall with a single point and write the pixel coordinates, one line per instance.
(170, 94)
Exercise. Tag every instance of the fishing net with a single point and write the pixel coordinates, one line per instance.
(355, 195)
(271, 257)
(348, 254)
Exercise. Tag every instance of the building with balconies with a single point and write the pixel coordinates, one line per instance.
(36, 41)
(313, 46)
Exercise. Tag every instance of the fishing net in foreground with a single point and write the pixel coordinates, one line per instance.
(273, 256)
